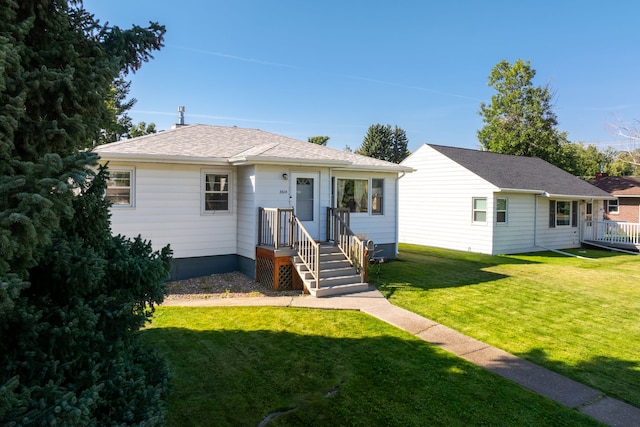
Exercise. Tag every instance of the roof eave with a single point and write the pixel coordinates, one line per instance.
(150, 158)
(376, 168)
(577, 196)
(254, 160)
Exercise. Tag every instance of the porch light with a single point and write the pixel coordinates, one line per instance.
(285, 176)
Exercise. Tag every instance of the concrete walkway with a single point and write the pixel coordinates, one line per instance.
(538, 379)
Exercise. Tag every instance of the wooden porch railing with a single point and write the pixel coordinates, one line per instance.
(275, 227)
(354, 248)
(308, 250)
(612, 232)
(280, 228)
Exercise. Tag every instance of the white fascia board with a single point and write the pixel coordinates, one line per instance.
(575, 196)
(519, 190)
(363, 168)
(147, 158)
(258, 160)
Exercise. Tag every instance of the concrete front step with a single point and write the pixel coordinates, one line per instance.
(338, 290)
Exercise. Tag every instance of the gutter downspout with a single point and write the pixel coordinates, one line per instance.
(535, 220)
(397, 231)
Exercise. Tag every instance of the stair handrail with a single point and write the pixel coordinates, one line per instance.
(308, 250)
(354, 248)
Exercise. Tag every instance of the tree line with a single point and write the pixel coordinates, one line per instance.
(520, 121)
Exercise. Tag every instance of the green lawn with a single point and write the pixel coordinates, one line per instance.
(578, 317)
(235, 366)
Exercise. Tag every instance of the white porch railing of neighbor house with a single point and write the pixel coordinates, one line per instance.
(354, 248)
(612, 232)
(275, 227)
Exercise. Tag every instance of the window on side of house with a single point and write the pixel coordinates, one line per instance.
(216, 194)
(377, 196)
(612, 206)
(120, 187)
(501, 210)
(480, 209)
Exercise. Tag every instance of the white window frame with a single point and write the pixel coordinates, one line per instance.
(475, 210)
(505, 210)
(616, 204)
(370, 195)
(132, 185)
(204, 191)
(380, 202)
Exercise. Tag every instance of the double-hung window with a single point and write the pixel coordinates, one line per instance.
(215, 192)
(501, 210)
(120, 187)
(612, 206)
(480, 209)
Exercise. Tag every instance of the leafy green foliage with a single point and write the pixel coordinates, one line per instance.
(142, 128)
(320, 140)
(520, 119)
(385, 143)
(72, 296)
(581, 160)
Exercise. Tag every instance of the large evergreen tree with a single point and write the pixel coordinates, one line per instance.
(72, 296)
(385, 143)
(520, 120)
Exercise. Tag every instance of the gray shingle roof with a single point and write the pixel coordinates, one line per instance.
(237, 146)
(520, 173)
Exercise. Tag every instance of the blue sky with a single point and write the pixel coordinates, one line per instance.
(305, 68)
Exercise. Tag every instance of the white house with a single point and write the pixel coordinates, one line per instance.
(493, 203)
(202, 188)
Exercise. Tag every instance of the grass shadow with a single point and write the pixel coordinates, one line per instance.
(380, 377)
(621, 377)
(425, 268)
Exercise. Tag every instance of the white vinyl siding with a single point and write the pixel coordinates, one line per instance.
(426, 220)
(435, 207)
(558, 237)
(517, 235)
(168, 211)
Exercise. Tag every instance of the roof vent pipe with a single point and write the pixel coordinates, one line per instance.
(181, 115)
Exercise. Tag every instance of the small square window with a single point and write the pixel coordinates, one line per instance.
(120, 187)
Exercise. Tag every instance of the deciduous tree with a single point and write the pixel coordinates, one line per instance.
(520, 120)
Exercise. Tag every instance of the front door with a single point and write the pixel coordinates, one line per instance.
(305, 201)
(588, 221)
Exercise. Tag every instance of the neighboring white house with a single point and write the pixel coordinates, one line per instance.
(199, 188)
(492, 203)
